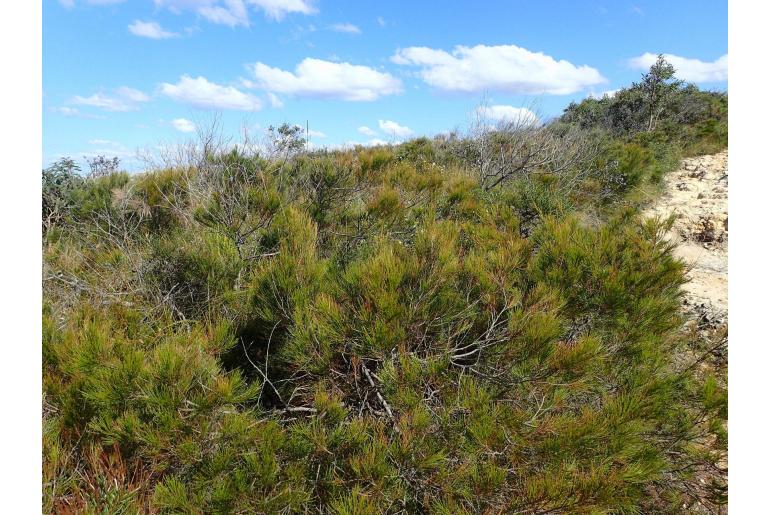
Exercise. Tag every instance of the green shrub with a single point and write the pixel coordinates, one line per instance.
(162, 195)
(94, 199)
(373, 331)
(192, 271)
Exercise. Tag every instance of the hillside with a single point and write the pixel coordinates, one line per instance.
(481, 322)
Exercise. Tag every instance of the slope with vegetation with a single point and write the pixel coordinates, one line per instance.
(458, 325)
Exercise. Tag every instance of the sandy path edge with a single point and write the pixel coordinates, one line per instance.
(696, 194)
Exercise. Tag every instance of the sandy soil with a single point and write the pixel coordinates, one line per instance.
(697, 194)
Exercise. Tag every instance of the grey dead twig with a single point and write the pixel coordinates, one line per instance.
(382, 400)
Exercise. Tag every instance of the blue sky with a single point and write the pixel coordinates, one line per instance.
(122, 75)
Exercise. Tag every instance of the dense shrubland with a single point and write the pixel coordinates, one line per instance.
(458, 325)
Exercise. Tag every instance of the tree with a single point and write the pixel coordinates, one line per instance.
(285, 141)
(658, 86)
(59, 180)
(101, 166)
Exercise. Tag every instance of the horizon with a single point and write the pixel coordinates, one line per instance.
(152, 72)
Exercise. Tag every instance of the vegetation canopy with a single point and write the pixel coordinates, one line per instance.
(467, 324)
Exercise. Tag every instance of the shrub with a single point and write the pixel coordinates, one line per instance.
(190, 272)
(94, 200)
(378, 331)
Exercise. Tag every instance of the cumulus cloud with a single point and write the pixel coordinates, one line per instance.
(203, 94)
(317, 78)
(236, 12)
(345, 27)
(366, 131)
(123, 99)
(150, 29)
(690, 70)
(316, 134)
(506, 68)
(183, 125)
(507, 114)
(391, 127)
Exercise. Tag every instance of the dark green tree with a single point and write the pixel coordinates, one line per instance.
(658, 86)
(59, 181)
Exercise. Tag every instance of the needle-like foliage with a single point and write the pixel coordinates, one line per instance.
(372, 331)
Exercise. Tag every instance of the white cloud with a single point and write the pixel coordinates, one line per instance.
(277, 9)
(603, 94)
(73, 112)
(506, 68)
(69, 4)
(345, 27)
(201, 93)
(150, 29)
(66, 111)
(124, 99)
(235, 12)
(347, 145)
(317, 78)
(508, 114)
(134, 95)
(690, 70)
(183, 125)
(275, 102)
(374, 142)
(380, 21)
(391, 127)
(366, 131)
(107, 148)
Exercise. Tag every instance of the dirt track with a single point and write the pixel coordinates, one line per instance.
(697, 194)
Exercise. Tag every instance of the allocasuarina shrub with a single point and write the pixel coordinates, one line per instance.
(369, 331)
